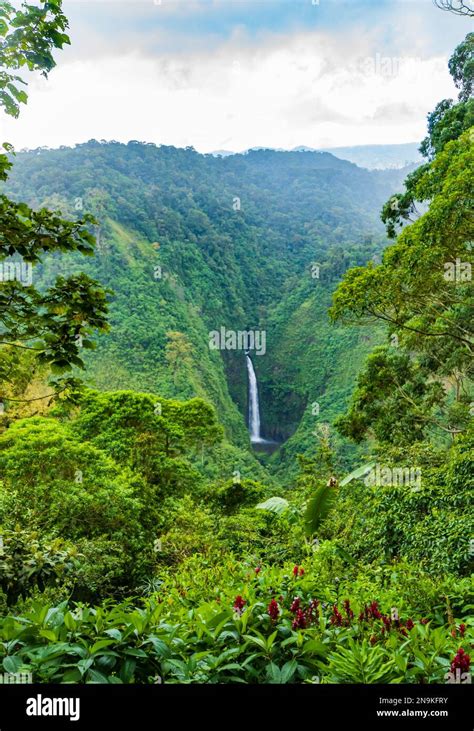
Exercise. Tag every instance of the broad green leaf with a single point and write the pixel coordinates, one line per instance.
(12, 664)
(100, 645)
(318, 508)
(359, 472)
(273, 673)
(48, 634)
(276, 505)
(288, 670)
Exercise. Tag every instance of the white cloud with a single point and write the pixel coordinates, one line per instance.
(318, 89)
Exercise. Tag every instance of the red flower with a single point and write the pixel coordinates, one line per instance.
(336, 617)
(273, 610)
(295, 604)
(312, 613)
(374, 611)
(461, 660)
(424, 620)
(370, 612)
(410, 624)
(301, 571)
(348, 610)
(299, 621)
(239, 604)
(258, 569)
(373, 640)
(295, 570)
(462, 629)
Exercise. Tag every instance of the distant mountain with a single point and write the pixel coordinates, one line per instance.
(372, 157)
(222, 153)
(378, 157)
(190, 243)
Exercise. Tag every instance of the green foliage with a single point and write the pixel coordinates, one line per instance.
(149, 434)
(361, 663)
(138, 544)
(28, 37)
(277, 505)
(359, 472)
(393, 400)
(255, 532)
(27, 562)
(103, 569)
(235, 494)
(176, 636)
(64, 487)
(429, 317)
(319, 507)
(190, 530)
(461, 67)
(427, 520)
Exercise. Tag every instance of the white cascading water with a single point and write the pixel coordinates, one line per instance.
(254, 409)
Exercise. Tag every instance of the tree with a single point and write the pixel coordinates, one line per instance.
(461, 67)
(53, 324)
(64, 487)
(75, 500)
(394, 401)
(422, 291)
(29, 36)
(179, 356)
(447, 122)
(149, 435)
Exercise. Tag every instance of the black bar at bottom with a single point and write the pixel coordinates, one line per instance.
(99, 706)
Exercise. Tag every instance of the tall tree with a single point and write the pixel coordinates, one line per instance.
(422, 290)
(53, 325)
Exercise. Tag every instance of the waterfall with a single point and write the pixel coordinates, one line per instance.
(254, 409)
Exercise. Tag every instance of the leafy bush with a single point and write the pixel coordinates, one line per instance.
(277, 626)
(63, 487)
(430, 522)
(27, 562)
(232, 495)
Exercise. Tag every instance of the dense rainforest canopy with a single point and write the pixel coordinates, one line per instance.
(141, 537)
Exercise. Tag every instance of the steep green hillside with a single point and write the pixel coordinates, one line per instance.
(141, 539)
(189, 243)
(309, 375)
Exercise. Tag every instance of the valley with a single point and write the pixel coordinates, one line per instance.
(236, 390)
(244, 270)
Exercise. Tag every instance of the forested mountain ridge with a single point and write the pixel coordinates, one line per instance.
(379, 157)
(137, 543)
(189, 243)
(372, 157)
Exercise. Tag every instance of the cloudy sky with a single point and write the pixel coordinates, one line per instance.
(232, 74)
